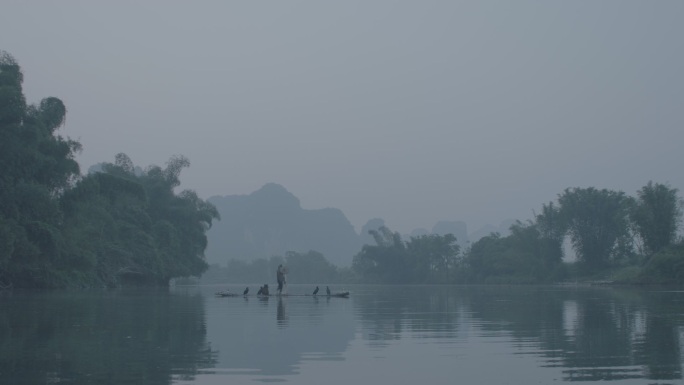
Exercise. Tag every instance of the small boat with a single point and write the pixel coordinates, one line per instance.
(341, 294)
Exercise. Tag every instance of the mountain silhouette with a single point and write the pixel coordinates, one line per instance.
(271, 221)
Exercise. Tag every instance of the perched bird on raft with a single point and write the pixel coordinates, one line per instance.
(263, 293)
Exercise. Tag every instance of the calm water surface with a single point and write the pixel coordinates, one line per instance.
(380, 335)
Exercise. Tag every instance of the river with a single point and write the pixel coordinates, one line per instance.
(379, 335)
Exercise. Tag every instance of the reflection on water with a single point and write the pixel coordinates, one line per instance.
(282, 317)
(101, 337)
(269, 336)
(381, 335)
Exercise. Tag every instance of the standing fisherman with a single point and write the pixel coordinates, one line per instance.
(280, 276)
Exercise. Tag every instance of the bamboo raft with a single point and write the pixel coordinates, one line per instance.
(339, 294)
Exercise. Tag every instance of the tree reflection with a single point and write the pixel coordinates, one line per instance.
(429, 311)
(620, 330)
(600, 348)
(593, 334)
(102, 338)
(659, 350)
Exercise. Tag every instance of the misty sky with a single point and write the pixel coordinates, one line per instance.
(412, 111)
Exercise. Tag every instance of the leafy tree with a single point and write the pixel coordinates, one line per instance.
(525, 256)
(542, 253)
(485, 259)
(108, 229)
(596, 220)
(665, 266)
(656, 216)
(310, 267)
(131, 227)
(424, 259)
(551, 224)
(383, 262)
(37, 166)
(180, 220)
(432, 257)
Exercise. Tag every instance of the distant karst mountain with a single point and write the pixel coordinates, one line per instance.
(271, 221)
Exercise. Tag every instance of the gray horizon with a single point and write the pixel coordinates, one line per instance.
(413, 112)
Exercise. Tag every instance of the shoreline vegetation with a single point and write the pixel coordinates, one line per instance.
(121, 225)
(115, 227)
(616, 240)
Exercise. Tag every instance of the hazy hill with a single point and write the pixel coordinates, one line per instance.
(271, 221)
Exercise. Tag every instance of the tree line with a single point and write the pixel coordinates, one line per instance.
(304, 268)
(614, 237)
(123, 225)
(61, 229)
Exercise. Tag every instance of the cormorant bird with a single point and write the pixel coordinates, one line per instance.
(246, 291)
(315, 291)
(327, 290)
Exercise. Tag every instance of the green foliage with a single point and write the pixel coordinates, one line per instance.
(551, 224)
(12, 102)
(596, 220)
(133, 228)
(656, 216)
(429, 258)
(525, 256)
(309, 267)
(383, 262)
(484, 258)
(125, 225)
(37, 166)
(106, 228)
(665, 267)
(598, 223)
(432, 258)
(629, 274)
